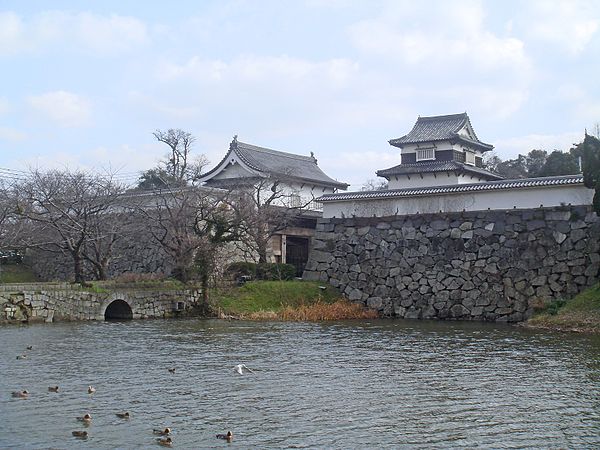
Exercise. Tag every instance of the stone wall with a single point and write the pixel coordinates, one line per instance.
(137, 253)
(48, 302)
(486, 265)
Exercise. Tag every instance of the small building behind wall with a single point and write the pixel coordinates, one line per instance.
(298, 180)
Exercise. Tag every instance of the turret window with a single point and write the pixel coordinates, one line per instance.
(469, 158)
(424, 154)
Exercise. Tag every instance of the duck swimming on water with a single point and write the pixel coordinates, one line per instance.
(164, 432)
(20, 394)
(91, 389)
(80, 434)
(165, 442)
(52, 388)
(227, 437)
(87, 418)
(123, 415)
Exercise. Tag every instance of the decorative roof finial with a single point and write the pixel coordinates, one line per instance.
(233, 142)
(312, 155)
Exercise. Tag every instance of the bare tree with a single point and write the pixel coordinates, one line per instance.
(61, 212)
(169, 215)
(5, 210)
(374, 185)
(190, 223)
(215, 224)
(265, 207)
(178, 168)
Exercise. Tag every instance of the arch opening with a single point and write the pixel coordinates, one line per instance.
(118, 310)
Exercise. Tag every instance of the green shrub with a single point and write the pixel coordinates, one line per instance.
(262, 271)
(554, 306)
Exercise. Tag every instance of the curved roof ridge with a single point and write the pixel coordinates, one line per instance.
(440, 128)
(275, 152)
(270, 162)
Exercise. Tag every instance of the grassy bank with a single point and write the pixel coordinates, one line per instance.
(582, 313)
(286, 300)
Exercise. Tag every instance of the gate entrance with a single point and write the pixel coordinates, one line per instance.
(296, 253)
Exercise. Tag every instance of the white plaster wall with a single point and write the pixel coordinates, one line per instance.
(233, 170)
(429, 180)
(475, 201)
(307, 192)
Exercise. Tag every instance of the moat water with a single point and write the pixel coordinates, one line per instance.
(346, 385)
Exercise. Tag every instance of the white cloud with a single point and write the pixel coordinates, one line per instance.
(359, 166)
(65, 30)
(455, 37)
(499, 101)
(511, 147)
(110, 34)
(64, 108)
(568, 24)
(11, 33)
(10, 134)
(4, 106)
(251, 69)
(584, 105)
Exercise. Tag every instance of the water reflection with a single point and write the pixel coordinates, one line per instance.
(384, 384)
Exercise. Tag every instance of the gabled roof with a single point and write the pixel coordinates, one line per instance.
(437, 166)
(523, 183)
(274, 163)
(441, 128)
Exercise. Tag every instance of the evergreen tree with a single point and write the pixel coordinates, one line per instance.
(591, 168)
(559, 163)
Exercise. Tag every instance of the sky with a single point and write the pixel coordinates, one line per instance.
(84, 84)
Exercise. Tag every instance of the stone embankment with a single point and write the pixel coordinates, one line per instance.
(487, 265)
(48, 302)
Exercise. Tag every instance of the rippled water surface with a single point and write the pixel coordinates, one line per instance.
(382, 384)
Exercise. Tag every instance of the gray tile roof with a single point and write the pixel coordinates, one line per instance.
(279, 164)
(440, 128)
(523, 183)
(437, 166)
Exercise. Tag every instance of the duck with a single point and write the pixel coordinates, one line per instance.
(91, 389)
(171, 369)
(21, 394)
(30, 347)
(52, 388)
(123, 415)
(242, 369)
(80, 434)
(165, 442)
(87, 418)
(227, 437)
(22, 356)
(164, 432)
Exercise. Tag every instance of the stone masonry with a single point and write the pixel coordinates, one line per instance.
(49, 302)
(485, 265)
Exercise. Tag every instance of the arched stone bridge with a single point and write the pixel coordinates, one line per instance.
(47, 302)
